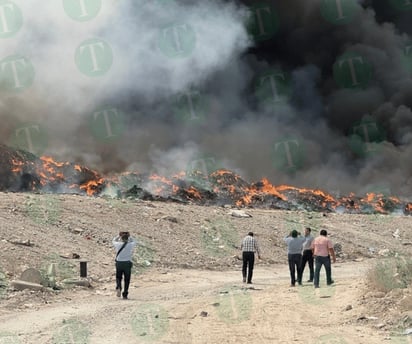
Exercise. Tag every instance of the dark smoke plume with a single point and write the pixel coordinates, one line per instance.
(313, 93)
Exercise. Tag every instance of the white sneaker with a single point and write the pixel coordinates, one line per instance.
(118, 292)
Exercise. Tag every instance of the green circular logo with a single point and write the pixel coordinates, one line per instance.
(299, 221)
(159, 4)
(11, 19)
(352, 70)
(366, 137)
(264, 21)
(107, 124)
(392, 272)
(94, 57)
(9, 338)
(44, 209)
(330, 339)
(316, 296)
(339, 11)
(129, 180)
(380, 219)
(191, 107)
(150, 322)
(177, 40)
(273, 88)
(143, 257)
(82, 10)
(379, 190)
(234, 305)
(72, 331)
(16, 73)
(31, 137)
(166, 2)
(3, 284)
(399, 338)
(199, 170)
(288, 155)
(406, 57)
(402, 5)
(219, 237)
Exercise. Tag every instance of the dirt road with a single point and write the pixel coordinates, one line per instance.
(205, 307)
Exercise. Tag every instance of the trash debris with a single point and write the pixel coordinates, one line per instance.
(240, 214)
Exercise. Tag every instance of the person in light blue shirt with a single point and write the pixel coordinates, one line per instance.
(295, 244)
(124, 246)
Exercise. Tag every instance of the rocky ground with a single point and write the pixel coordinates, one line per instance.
(189, 257)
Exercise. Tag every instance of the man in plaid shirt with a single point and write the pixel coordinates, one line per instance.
(249, 246)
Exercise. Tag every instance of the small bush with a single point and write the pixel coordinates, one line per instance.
(391, 273)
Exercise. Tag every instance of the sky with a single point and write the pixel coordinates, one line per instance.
(313, 93)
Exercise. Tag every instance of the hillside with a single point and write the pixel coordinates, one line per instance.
(189, 258)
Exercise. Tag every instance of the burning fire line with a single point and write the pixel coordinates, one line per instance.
(46, 174)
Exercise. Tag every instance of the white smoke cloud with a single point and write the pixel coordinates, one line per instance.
(159, 48)
(162, 48)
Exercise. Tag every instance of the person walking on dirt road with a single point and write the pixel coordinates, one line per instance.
(124, 246)
(295, 244)
(322, 248)
(249, 246)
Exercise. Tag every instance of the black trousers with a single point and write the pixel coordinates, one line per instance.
(123, 269)
(248, 262)
(307, 257)
(294, 268)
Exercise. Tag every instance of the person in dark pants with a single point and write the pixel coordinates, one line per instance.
(322, 250)
(249, 246)
(124, 245)
(307, 255)
(294, 256)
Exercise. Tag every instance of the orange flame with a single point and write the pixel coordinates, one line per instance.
(91, 186)
(194, 193)
(260, 189)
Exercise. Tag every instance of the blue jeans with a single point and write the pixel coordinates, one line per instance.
(319, 261)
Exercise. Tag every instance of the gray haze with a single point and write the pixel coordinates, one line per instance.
(231, 123)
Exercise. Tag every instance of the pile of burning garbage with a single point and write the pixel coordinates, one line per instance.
(21, 171)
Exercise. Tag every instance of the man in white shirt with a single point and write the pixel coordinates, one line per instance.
(124, 245)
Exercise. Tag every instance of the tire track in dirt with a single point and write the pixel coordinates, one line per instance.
(167, 308)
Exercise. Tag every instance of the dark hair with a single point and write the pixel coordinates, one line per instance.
(125, 236)
(309, 230)
(323, 232)
(250, 233)
(294, 233)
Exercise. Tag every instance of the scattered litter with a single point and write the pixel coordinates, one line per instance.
(408, 331)
(240, 214)
(21, 242)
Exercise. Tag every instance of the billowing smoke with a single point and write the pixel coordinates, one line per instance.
(312, 93)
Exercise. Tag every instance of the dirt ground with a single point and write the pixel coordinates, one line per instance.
(186, 285)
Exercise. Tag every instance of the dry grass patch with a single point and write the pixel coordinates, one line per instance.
(391, 273)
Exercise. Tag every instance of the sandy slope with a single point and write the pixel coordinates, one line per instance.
(193, 269)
